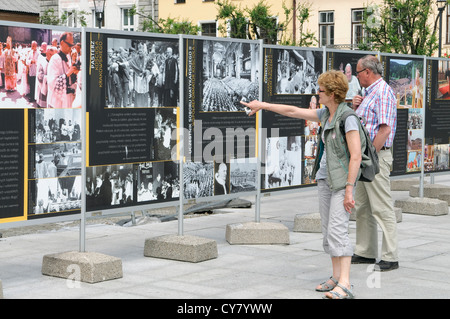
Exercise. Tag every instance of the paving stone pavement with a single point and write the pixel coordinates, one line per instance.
(240, 271)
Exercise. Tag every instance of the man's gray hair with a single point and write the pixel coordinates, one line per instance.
(372, 63)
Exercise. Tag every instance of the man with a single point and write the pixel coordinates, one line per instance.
(61, 75)
(220, 180)
(31, 63)
(353, 83)
(170, 79)
(373, 199)
(42, 86)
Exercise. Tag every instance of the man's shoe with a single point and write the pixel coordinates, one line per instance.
(386, 265)
(362, 260)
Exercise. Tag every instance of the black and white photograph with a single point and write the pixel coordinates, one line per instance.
(142, 73)
(57, 125)
(221, 178)
(109, 186)
(55, 160)
(243, 175)
(55, 195)
(164, 139)
(415, 119)
(298, 71)
(198, 179)
(283, 166)
(230, 74)
(158, 181)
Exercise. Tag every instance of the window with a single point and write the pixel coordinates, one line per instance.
(127, 20)
(209, 28)
(326, 28)
(71, 17)
(358, 33)
(180, 1)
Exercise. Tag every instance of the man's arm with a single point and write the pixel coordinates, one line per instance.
(382, 136)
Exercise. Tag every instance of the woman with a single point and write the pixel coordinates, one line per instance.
(335, 171)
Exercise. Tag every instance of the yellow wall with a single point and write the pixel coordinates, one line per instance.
(198, 10)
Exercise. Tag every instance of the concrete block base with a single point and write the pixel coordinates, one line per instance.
(430, 190)
(404, 184)
(422, 206)
(397, 211)
(1, 290)
(308, 223)
(87, 267)
(257, 233)
(183, 248)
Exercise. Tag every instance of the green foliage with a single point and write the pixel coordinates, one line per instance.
(306, 37)
(50, 17)
(402, 26)
(167, 26)
(258, 22)
(236, 18)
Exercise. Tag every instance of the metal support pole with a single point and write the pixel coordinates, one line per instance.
(83, 144)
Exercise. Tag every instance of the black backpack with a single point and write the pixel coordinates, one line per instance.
(369, 162)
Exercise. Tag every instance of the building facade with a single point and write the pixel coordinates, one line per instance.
(336, 24)
(20, 11)
(116, 15)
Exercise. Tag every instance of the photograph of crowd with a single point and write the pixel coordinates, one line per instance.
(109, 186)
(230, 74)
(283, 162)
(53, 195)
(158, 181)
(142, 73)
(406, 79)
(298, 71)
(198, 179)
(57, 125)
(415, 119)
(39, 68)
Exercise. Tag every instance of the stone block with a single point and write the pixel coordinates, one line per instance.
(404, 184)
(308, 223)
(183, 248)
(445, 197)
(397, 211)
(422, 206)
(257, 233)
(430, 190)
(87, 267)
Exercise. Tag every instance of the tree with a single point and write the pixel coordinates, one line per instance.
(256, 22)
(167, 26)
(50, 17)
(303, 13)
(401, 26)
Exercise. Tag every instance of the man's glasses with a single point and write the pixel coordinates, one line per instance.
(69, 44)
(358, 72)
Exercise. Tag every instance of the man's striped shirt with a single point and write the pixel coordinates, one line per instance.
(379, 106)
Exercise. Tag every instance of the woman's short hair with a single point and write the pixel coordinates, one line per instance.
(336, 82)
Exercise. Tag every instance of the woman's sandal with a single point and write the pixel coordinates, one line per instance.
(336, 295)
(327, 286)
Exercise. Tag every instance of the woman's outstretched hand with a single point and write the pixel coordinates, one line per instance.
(252, 107)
